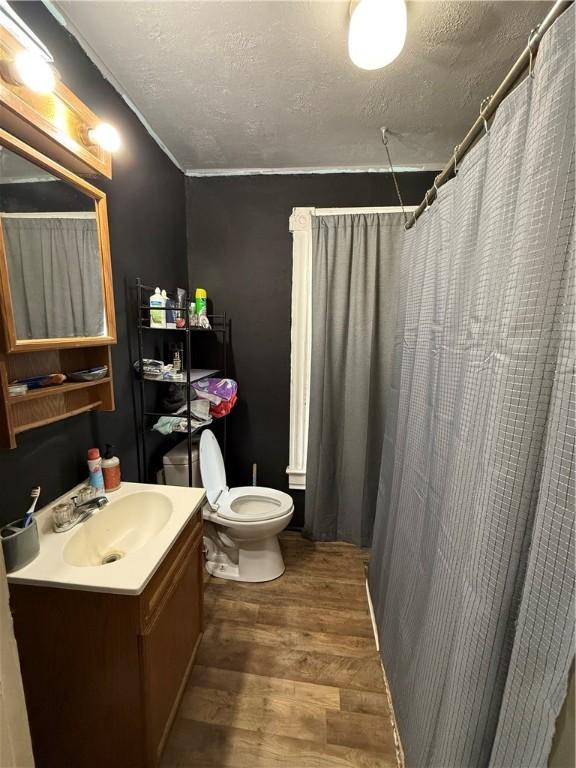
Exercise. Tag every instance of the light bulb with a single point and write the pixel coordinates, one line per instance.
(106, 136)
(377, 32)
(35, 72)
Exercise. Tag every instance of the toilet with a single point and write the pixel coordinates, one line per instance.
(241, 524)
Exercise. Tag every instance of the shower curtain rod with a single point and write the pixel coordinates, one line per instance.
(524, 60)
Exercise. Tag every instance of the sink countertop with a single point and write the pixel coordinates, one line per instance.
(127, 576)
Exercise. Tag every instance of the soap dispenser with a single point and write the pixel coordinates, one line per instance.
(111, 469)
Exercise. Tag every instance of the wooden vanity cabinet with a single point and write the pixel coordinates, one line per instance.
(171, 625)
(104, 673)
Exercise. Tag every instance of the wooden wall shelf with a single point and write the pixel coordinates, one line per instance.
(58, 417)
(69, 386)
(40, 407)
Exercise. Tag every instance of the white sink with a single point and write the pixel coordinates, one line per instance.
(122, 527)
(132, 533)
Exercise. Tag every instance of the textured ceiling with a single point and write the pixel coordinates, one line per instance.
(247, 85)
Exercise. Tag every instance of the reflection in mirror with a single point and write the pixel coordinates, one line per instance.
(50, 235)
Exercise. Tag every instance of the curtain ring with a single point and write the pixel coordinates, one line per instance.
(531, 63)
(456, 148)
(483, 106)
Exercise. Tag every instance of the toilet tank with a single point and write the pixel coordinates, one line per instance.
(176, 466)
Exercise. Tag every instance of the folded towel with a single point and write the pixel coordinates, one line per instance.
(199, 417)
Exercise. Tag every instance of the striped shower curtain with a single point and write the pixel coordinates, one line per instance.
(472, 569)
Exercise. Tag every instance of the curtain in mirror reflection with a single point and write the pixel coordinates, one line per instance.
(55, 275)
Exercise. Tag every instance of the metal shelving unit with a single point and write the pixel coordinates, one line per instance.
(219, 329)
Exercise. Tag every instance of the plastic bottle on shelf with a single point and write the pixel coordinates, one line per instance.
(177, 354)
(200, 301)
(201, 309)
(192, 317)
(157, 312)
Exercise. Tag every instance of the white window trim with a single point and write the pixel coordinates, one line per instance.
(301, 333)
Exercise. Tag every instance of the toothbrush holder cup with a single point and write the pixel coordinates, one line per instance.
(19, 544)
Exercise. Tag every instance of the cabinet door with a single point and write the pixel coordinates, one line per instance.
(168, 646)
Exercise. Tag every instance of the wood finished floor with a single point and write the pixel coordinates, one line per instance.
(287, 674)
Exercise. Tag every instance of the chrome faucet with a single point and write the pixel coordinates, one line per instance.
(71, 513)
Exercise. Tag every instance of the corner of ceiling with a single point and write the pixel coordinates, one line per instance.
(61, 18)
(54, 7)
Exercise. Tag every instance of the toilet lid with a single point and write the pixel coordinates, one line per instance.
(212, 467)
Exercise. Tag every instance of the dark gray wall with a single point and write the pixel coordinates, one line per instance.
(148, 236)
(240, 250)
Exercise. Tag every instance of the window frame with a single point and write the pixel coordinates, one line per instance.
(301, 331)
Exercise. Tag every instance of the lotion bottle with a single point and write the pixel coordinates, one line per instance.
(111, 469)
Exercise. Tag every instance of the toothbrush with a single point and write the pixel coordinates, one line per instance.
(34, 494)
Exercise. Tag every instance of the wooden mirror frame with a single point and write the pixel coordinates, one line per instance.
(11, 342)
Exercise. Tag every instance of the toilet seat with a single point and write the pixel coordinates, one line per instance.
(247, 504)
(250, 504)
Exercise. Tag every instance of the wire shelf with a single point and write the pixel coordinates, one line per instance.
(220, 324)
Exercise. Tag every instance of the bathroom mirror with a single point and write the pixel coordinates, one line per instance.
(55, 272)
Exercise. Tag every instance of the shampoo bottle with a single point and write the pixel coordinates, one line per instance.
(111, 469)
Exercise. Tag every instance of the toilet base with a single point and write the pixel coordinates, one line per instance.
(249, 561)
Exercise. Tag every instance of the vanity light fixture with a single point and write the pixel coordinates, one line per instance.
(34, 72)
(33, 66)
(105, 136)
(377, 32)
(30, 69)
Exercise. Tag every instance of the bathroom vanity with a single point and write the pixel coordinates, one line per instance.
(106, 650)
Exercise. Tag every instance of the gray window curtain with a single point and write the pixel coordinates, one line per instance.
(472, 567)
(355, 265)
(55, 277)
